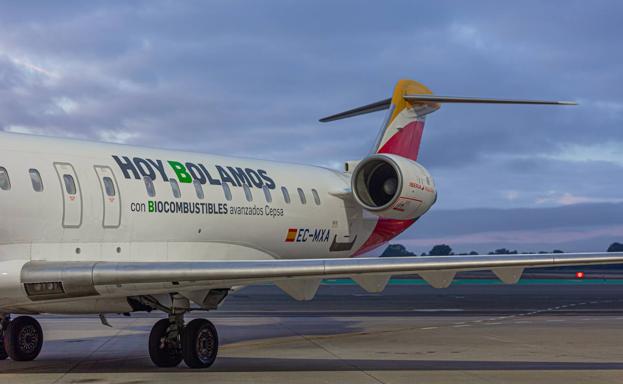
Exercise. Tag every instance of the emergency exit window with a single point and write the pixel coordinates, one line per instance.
(109, 187)
(70, 184)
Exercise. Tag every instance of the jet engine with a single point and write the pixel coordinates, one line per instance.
(393, 187)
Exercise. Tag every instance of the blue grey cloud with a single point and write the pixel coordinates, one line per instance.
(252, 78)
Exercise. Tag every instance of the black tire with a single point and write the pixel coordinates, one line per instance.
(3, 354)
(199, 344)
(163, 354)
(23, 338)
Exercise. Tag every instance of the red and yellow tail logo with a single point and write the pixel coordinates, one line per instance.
(291, 234)
(403, 133)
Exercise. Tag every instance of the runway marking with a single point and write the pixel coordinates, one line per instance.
(87, 357)
(427, 328)
(438, 310)
(316, 342)
(460, 325)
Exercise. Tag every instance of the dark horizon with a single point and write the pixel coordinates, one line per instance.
(572, 228)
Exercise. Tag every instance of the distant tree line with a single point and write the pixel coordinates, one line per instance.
(394, 250)
(615, 247)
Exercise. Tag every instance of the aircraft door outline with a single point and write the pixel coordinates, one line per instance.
(111, 197)
(71, 195)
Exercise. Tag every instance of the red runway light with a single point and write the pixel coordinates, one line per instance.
(579, 275)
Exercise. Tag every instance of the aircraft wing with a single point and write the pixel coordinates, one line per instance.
(298, 278)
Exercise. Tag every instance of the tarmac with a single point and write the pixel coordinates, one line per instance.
(411, 333)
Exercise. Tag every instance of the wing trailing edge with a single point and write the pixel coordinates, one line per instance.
(82, 279)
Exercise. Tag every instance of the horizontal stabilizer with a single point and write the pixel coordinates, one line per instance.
(480, 100)
(432, 99)
(374, 107)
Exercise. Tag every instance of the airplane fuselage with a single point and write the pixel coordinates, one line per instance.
(93, 220)
(70, 200)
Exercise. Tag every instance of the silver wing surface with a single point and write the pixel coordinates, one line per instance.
(44, 280)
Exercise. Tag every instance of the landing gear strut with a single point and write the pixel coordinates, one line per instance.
(170, 342)
(22, 338)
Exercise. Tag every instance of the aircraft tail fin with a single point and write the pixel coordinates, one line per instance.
(401, 132)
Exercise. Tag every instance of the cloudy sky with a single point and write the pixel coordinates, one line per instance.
(252, 79)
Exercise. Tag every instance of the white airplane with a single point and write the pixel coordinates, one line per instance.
(92, 228)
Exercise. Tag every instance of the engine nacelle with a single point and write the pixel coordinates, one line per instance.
(393, 187)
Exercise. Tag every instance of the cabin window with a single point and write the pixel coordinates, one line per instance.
(302, 196)
(5, 183)
(286, 195)
(427, 180)
(227, 191)
(247, 192)
(70, 184)
(316, 197)
(35, 178)
(109, 186)
(198, 189)
(175, 187)
(267, 195)
(149, 186)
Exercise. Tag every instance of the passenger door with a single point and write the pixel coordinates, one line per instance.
(72, 195)
(110, 196)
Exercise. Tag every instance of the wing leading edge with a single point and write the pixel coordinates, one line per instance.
(82, 279)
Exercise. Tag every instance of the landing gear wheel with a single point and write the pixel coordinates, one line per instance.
(199, 344)
(163, 352)
(23, 338)
(3, 354)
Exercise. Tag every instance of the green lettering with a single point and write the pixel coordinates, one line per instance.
(181, 172)
(151, 206)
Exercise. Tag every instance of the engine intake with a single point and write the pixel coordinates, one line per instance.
(392, 186)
